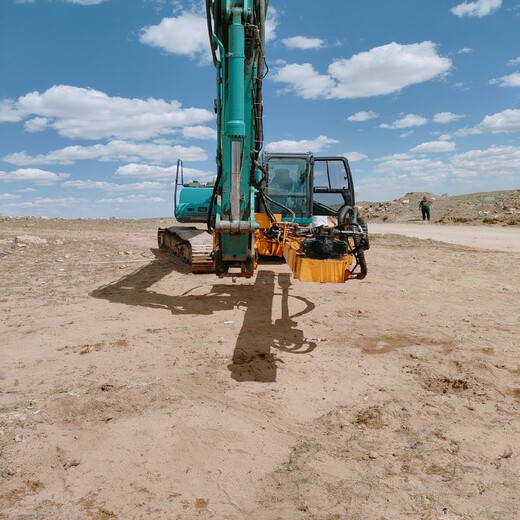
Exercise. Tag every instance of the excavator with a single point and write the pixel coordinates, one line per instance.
(293, 205)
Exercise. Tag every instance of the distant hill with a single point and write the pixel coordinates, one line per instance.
(496, 207)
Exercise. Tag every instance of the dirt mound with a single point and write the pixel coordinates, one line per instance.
(498, 207)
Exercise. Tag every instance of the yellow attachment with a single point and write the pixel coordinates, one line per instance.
(266, 246)
(313, 269)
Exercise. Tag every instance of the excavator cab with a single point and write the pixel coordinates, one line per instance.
(289, 186)
(191, 200)
(302, 186)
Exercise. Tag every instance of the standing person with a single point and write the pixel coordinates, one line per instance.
(424, 205)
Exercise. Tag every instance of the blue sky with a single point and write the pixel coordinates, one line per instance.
(99, 98)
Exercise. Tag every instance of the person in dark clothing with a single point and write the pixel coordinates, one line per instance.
(424, 205)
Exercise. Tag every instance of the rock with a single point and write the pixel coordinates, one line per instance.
(373, 455)
(30, 239)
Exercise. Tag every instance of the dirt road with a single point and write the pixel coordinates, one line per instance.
(131, 389)
(479, 237)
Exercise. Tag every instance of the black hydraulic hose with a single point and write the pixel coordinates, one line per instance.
(293, 214)
(343, 212)
(360, 255)
(212, 44)
(209, 227)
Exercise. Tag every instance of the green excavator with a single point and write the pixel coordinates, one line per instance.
(297, 206)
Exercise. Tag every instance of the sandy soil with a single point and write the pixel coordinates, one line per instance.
(131, 389)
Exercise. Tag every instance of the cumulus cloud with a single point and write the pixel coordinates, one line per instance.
(501, 122)
(406, 122)
(84, 2)
(112, 151)
(504, 122)
(479, 8)
(35, 175)
(493, 161)
(9, 196)
(199, 132)
(8, 112)
(303, 42)
(434, 147)
(131, 199)
(271, 24)
(304, 81)
(514, 61)
(186, 34)
(305, 145)
(77, 2)
(511, 80)
(483, 167)
(151, 171)
(363, 116)
(379, 71)
(37, 124)
(446, 117)
(112, 186)
(80, 113)
(354, 156)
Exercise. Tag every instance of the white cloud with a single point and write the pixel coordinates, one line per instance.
(199, 132)
(464, 50)
(8, 112)
(482, 166)
(303, 42)
(501, 122)
(35, 175)
(186, 35)
(84, 2)
(381, 70)
(511, 80)
(49, 203)
(80, 113)
(514, 61)
(78, 2)
(405, 164)
(479, 8)
(149, 171)
(495, 161)
(305, 145)
(111, 186)
(354, 156)
(304, 81)
(363, 116)
(112, 151)
(37, 124)
(434, 147)
(446, 117)
(130, 199)
(406, 122)
(271, 23)
(9, 196)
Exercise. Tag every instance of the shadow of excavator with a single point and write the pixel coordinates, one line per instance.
(260, 338)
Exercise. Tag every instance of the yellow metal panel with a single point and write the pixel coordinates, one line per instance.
(314, 270)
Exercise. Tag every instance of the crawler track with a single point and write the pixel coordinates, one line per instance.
(192, 244)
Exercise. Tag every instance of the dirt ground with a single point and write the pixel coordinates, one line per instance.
(131, 389)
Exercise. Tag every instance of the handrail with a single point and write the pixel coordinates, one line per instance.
(180, 167)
